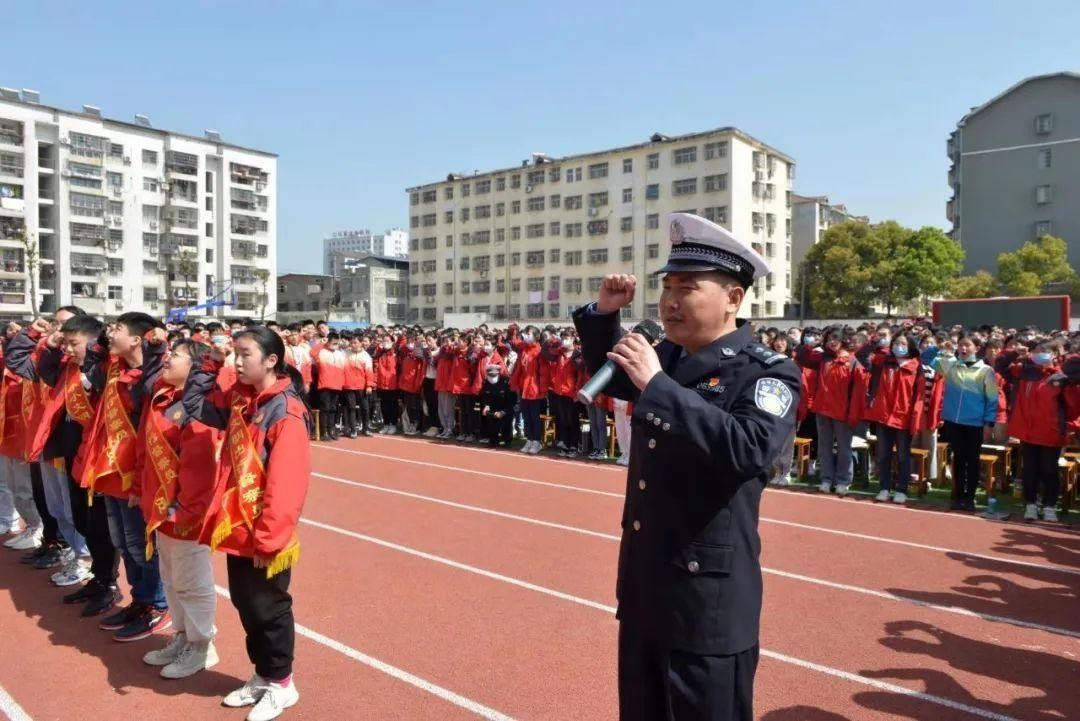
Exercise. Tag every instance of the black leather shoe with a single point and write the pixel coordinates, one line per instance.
(84, 594)
(104, 600)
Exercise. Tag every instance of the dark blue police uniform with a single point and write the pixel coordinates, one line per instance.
(705, 432)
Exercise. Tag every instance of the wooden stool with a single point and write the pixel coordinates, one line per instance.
(988, 461)
(802, 456)
(547, 436)
(318, 430)
(1069, 470)
(921, 464)
(942, 462)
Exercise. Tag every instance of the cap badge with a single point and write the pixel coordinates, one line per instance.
(676, 232)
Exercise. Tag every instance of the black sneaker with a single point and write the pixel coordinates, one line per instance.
(84, 594)
(31, 557)
(150, 619)
(105, 599)
(969, 505)
(52, 558)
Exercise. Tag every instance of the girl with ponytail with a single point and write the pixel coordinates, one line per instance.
(261, 486)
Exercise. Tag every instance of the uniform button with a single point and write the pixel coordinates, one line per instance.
(693, 567)
(641, 484)
(648, 416)
(656, 421)
(637, 525)
(667, 426)
(652, 443)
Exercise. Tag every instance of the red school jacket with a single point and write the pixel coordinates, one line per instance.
(1039, 412)
(386, 369)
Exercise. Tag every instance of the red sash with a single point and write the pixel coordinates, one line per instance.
(3, 402)
(76, 400)
(119, 451)
(166, 464)
(242, 502)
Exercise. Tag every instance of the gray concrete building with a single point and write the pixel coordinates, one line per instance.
(811, 216)
(1015, 172)
(374, 289)
(304, 295)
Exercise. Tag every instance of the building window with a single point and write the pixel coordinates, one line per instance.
(654, 282)
(150, 185)
(466, 189)
(758, 221)
(628, 165)
(515, 285)
(535, 230)
(652, 221)
(683, 156)
(449, 241)
(597, 200)
(534, 177)
(598, 255)
(515, 233)
(149, 157)
(573, 174)
(653, 161)
(500, 235)
(626, 253)
(715, 183)
(1044, 124)
(209, 230)
(572, 285)
(717, 214)
(536, 204)
(553, 255)
(464, 215)
(1043, 227)
(652, 311)
(515, 207)
(500, 184)
(555, 227)
(716, 150)
(534, 285)
(115, 150)
(429, 243)
(1042, 194)
(599, 170)
(595, 283)
(414, 244)
(515, 258)
(448, 288)
(429, 220)
(500, 286)
(572, 230)
(448, 193)
(573, 202)
(628, 195)
(652, 250)
(652, 192)
(515, 181)
(686, 186)
(626, 224)
(482, 186)
(449, 263)
(1046, 158)
(500, 210)
(482, 211)
(572, 257)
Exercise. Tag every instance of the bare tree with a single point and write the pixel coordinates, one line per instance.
(32, 261)
(262, 277)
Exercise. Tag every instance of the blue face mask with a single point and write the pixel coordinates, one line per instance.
(1043, 359)
(900, 351)
(883, 342)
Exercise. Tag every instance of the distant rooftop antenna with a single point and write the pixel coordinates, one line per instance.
(213, 136)
(93, 110)
(31, 96)
(142, 120)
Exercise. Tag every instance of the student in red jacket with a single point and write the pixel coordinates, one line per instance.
(529, 379)
(359, 386)
(894, 387)
(386, 383)
(1039, 418)
(462, 376)
(260, 490)
(176, 458)
(411, 382)
(329, 361)
(444, 384)
(566, 374)
(835, 370)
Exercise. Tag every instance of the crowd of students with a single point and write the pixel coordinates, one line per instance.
(132, 443)
(911, 385)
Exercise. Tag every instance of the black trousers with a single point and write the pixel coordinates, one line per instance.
(431, 401)
(965, 442)
(470, 417)
(93, 523)
(412, 404)
(359, 410)
(388, 400)
(1041, 473)
(50, 534)
(657, 683)
(328, 410)
(568, 429)
(266, 613)
(497, 430)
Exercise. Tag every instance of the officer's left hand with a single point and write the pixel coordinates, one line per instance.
(637, 358)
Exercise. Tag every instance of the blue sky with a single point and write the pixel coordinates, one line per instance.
(362, 99)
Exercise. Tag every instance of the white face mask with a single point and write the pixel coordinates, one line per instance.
(568, 344)
(527, 338)
(493, 378)
(487, 349)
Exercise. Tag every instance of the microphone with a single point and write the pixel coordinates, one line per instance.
(648, 329)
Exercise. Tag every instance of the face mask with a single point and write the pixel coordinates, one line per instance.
(966, 357)
(568, 344)
(810, 341)
(527, 338)
(900, 351)
(1043, 359)
(492, 377)
(387, 345)
(487, 349)
(883, 342)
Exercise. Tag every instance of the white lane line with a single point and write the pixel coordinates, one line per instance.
(392, 671)
(466, 507)
(474, 472)
(784, 658)
(10, 707)
(765, 519)
(926, 547)
(786, 574)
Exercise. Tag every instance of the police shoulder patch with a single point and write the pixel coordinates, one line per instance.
(773, 396)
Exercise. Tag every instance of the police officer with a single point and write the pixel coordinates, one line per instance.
(711, 410)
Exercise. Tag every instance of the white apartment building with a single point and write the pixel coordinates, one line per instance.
(532, 243)
(129, 217)
(392, 243)
(811, 216)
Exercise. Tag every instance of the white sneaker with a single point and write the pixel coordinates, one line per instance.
(391, 430)
(1031, 512)
(168, 653)
(28, 540)
(527, 448)
(77, 572)
(783, 481)
(842, 489)
(470, 438)
(883, 496)
(624, 459)
(193, 657)
(899, 498)
(536, 446)
(248, 694)
(10, 543)
(1050, 514)
(274, 702)
(825, 487)
(431, 432)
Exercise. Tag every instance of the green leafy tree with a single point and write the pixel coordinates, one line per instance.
(837, 273)
(981, 285)
(1033, 266)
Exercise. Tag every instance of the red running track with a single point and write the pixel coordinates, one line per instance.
(440, 582)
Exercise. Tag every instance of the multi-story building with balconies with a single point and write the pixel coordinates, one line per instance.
(125, 216)
(811, 216)
(1015, 173)
(534, 242)
(391, 243)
